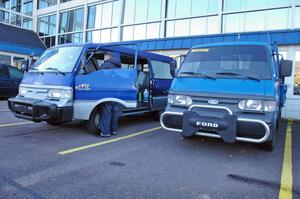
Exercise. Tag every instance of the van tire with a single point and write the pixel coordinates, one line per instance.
(91, 123)
(156, 115)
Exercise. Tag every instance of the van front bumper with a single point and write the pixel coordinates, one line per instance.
(229, 127)
(39, 110)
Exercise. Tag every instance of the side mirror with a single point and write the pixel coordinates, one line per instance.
(173, 68)
(286, 67)
(25, 65)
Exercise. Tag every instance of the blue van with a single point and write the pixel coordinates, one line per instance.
(67, 84)
(232, 91)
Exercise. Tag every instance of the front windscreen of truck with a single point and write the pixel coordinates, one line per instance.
(61, 59)
(244, 62)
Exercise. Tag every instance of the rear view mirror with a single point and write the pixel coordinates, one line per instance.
(286, 67)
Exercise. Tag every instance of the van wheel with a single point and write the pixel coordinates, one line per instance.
(93, 123)
(188, 137)
(157, 115)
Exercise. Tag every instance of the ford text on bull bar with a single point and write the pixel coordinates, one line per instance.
(232, 91)
(67, 83)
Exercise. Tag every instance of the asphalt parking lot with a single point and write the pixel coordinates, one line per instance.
(143, 161)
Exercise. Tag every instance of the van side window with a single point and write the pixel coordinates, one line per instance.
(161, 70)
(15, 73)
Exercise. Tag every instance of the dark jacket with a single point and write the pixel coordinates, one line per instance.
(112, 63)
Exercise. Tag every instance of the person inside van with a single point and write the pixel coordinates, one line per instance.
(110, 111)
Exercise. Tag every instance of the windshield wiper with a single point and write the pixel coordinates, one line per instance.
(55, 69)
(196, 75)
(237, 74)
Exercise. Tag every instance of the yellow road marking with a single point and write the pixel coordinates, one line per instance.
(108, 141)
(15, 124)
(286, 184)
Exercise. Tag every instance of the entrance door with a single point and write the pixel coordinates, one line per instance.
(292, 105)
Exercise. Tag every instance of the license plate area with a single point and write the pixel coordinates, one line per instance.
(23, 108)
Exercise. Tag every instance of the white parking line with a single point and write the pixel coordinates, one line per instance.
(15, 124)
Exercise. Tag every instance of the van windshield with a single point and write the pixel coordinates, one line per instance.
(61, 59)
(241, 61)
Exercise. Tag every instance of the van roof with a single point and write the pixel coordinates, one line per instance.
(118, 48)
(232, 44)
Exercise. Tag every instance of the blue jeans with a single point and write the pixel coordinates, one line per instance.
(109, 116)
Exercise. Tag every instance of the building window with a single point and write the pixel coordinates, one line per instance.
(47, 25)
(277, 19)
(142, 31)
(15, 5)
(63, 1)
(46, 3)
(239, 5)
(103, 36)
(297, 17)
(27, 23)
(70, 38)
(195, 26)
(15, 19)
(187, 8)
(71, 21)
(47, 29)
(27, 7)
(139, 11)
(4, 16)
(4, 4)
(5, 59)
(104, 15)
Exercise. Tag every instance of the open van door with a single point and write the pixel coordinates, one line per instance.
(94, 86)
(162, 76)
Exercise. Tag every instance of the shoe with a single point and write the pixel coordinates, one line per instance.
(114, 133)
(105, 136)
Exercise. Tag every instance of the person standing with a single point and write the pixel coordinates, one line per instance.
(110, 111)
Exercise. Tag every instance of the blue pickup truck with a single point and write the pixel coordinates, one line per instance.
(67, 83)
(232, 91)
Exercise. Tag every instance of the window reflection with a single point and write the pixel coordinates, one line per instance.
(143, 31)
(46, 3)
(4, 16)
(70, 38)
(47, 25)
(297, 17)
(238, 5)
(137, 11)
(71, 21)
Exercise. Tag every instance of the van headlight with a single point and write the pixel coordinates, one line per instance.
(22, 91)
(60, 94)
(257, 105)
(180, 100)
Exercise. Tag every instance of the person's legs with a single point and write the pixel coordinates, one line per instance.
(105, 119)
(116, 113)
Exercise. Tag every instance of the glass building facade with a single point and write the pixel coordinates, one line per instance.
(126, 20)
(65, 21)
(17, 13)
